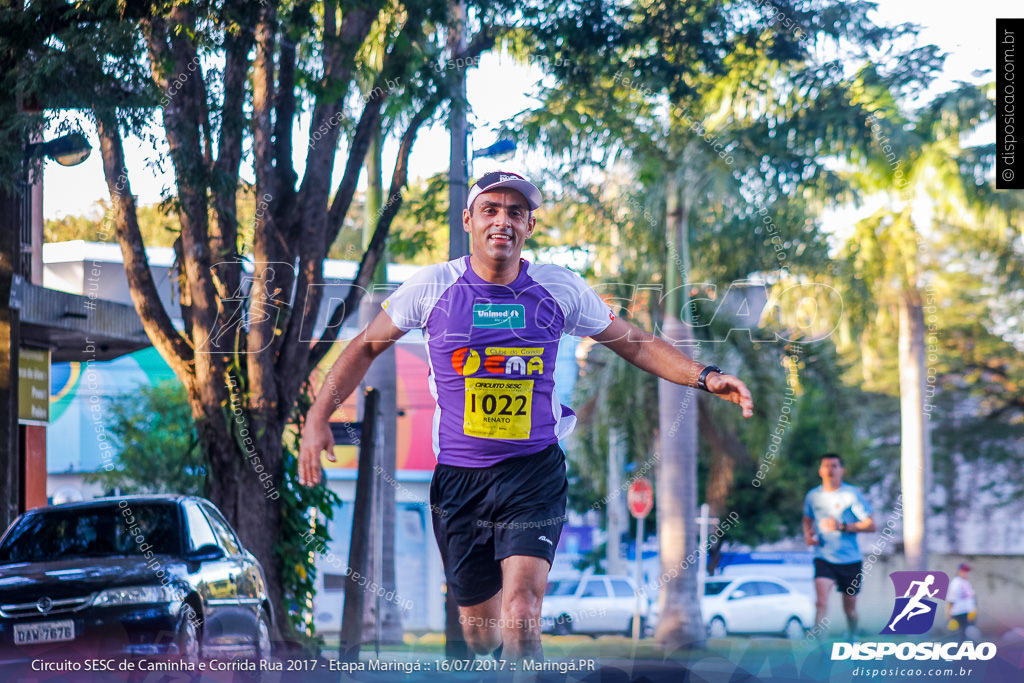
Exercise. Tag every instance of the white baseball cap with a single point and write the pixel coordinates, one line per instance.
(513, 181)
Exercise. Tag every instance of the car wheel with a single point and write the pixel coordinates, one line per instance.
(717, 629)
(563, 625)
(794, 629)
(643, 628)
(188, 636)
(262, 644)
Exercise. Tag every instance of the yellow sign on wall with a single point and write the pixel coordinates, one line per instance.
(33, 385)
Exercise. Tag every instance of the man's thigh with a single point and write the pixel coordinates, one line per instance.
(459, 508)
(822, 587)
(521, 573)
(530, 507)
(483, 616)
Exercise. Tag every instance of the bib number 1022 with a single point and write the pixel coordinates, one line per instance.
(498, 404)
(498, 409)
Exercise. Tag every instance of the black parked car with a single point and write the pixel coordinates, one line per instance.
(138, 575)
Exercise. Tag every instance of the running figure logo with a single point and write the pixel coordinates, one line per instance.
(917, 598)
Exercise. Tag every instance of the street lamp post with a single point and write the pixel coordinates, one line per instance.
(15, 264)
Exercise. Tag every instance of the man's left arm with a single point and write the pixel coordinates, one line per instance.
(658, 357)
(865, 525)
(862, 511)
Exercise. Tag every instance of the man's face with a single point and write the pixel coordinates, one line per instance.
(499, 225)
(831, 471)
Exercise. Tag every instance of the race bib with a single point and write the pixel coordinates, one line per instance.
(498, 408)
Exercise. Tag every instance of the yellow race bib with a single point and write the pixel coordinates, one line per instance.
(498, 408)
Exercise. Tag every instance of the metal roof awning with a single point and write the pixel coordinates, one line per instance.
(76, 327)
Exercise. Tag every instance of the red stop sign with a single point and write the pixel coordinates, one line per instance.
(640, 497)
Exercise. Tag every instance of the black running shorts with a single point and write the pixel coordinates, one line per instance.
(482, 515)
(842, 574)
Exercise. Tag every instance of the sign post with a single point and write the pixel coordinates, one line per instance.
(640, 498)
(704, 519)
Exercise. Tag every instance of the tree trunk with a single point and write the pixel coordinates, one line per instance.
(680, 625)
(916, 457)
(232, 483)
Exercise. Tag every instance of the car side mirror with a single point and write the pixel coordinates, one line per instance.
(736, 595)
(205, 553)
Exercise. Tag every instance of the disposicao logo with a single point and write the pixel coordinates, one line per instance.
(917, 597)
(499, 316)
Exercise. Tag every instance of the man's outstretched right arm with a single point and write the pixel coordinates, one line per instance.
(342, 379)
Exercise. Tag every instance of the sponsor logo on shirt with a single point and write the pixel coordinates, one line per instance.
(466, 361)
(499, 361)
(499, 316)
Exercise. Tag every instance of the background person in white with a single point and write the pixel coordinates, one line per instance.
(962, 601)
(833, 514)
(499, 227)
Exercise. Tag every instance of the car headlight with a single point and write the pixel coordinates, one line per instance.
(133, 595)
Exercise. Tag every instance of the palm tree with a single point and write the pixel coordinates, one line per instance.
(929, 183)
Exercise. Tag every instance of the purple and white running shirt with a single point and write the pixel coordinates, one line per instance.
(491, 350)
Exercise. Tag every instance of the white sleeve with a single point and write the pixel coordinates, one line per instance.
(585, 313)
(410, 304)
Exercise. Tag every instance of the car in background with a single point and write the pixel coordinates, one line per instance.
(591, 604)
(755, 605)
(159, 575)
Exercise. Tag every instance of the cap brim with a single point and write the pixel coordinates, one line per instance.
(523, 187)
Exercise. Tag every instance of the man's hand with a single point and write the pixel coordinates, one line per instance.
(829, 524)
(316, 438)
(342, 379)
(810, 539)
(731, 389)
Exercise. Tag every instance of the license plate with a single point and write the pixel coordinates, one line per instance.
(44, 632)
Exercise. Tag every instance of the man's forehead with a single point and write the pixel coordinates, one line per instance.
(503, 196)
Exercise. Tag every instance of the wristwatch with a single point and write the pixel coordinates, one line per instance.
(702, 380)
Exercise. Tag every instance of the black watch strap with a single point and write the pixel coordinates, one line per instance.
(702, 380)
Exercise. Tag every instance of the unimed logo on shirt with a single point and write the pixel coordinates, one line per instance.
(499, 316)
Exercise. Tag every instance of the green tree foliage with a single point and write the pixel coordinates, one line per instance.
(729, 114)
(218, 89)
(159, 228)
(420, 233)
(939, 220)
(156, 443)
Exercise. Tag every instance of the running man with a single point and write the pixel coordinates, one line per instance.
(492, 323)
(914, 606)
(834, 513)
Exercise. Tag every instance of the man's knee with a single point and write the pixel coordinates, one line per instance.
(522, 610)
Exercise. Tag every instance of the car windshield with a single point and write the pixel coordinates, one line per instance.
(715, 587)
(57, 533)
(563, 587)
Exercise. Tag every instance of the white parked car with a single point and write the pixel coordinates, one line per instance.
(592, 604)
(755, 604)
